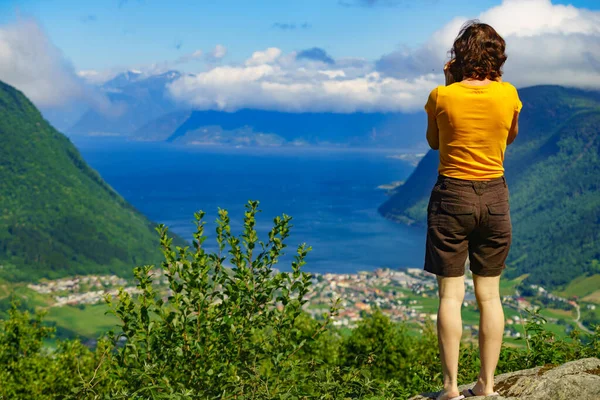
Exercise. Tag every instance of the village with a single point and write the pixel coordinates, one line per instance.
(88, 289)
(361, 292)
(391, 291)
(404, 295)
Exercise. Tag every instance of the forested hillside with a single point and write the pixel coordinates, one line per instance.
(553, 171)
(58, 216)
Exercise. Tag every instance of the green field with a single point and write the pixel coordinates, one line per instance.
(85, 321)
(24, 295)
(558, 314)
(582, 286)
(88, 322)
(508, 286)
(428, 305)
(470, 315)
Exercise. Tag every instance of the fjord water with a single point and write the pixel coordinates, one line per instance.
(332, 196)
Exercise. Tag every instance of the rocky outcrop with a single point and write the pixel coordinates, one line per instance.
(576, 380)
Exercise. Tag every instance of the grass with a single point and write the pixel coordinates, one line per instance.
(511, 312)
(4, 287)
(558, 330)
(414, 329)
(582, 286)
(557, 314)
(508, 286)
(345, 332)
(89, 322)
(32, 297)
(512, 342)
(594, 297)
(428, 305)
(26, 297)
(318, 306)
(470, 316)
(388, 288)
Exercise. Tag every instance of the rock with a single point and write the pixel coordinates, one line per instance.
(576, 380)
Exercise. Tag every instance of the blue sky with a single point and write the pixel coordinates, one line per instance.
(308, 55)
(109, 33)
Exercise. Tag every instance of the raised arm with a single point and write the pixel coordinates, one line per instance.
(433, 133)
(514, 129)
(514, 126)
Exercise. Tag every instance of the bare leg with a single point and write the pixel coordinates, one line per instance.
(449, 326)
(491, 330)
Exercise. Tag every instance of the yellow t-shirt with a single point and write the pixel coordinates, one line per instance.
(473, 123)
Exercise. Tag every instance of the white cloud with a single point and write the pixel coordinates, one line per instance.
(219, 52)
(546, 44)
(271, 80)
(193, 56)
(95, 77)
(526, 18)
(211, 57)
(264, 57)
(31, 63)
(334, 73)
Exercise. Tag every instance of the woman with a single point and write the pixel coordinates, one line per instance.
(471, 120)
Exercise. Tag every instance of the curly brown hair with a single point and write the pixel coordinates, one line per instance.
(477, 53)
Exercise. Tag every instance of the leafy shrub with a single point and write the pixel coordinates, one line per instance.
(30, 370)
(231, 326)
(220, 331)
(380, 344)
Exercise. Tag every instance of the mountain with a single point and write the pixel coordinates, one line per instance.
(160, 129)
(553, 172)
(143, 110)
(124, 79)
(64, 117)
(59, 217)
(137, 100)
(273, 127)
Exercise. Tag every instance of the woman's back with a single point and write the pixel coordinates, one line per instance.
(471, 120)
(474, 123)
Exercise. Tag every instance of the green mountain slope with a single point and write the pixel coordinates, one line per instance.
(58, 216)
(553, 171)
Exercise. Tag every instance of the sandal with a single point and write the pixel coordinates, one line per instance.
(471, 393)
(459, 397)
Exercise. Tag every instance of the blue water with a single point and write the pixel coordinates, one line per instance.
(332, 196)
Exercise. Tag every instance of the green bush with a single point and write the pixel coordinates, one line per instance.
(220, 331)
(29, 370)
(231, 326)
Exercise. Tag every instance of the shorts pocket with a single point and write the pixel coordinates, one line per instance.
(499, 211)
(432, 211)
(456, 209)
(455, 218)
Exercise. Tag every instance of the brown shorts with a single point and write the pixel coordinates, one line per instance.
(468, 218)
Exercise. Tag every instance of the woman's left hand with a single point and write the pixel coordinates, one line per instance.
(448, 74)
